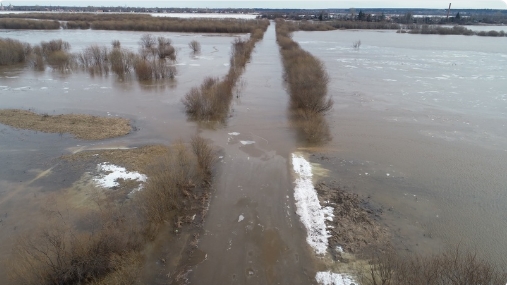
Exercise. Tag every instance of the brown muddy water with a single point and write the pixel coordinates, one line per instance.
(418, 125)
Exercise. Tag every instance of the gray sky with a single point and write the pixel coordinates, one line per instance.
(458, 4)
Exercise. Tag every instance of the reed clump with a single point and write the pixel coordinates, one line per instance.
(307, 85)
(210, 101)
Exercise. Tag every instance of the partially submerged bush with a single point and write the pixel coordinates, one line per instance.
(210, 101)
(307, 83)
(13, 51)
(195, 46)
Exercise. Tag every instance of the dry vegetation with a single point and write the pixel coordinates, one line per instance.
(110, 248)
(339, 25)
(136, 22)
(86, 127)
(211, 100)
(195, 46)
(307, 84)
(154, 61)
(453, 267)
(456, 30)
(13, 51)
(29, 24)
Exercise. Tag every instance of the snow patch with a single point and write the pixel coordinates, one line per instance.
(330, 278)
(311, 214)
(234, 134)
(110, 173)
(241, 218)
(246, 142)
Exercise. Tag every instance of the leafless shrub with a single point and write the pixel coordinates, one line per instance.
(195, 46)
(12, 51)
(122, 61)
(95, 59)
(211, 100)
(165, 49)
(60, 60)
(58, 254)
(205, 154)
(143, 69)
(307, 83)
(172, 179)
(116, 44)
(54, 46)
(454, 267)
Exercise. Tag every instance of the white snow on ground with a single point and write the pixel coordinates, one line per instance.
(330, 278)
(312, 215)
(109, 173)
(246, 142)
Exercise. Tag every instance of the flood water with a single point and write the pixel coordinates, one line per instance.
(418, 125)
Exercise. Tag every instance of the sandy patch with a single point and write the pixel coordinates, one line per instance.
(81, 126)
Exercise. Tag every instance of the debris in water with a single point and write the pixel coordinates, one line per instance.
(246, 142)
(234, 134)
(241, 218)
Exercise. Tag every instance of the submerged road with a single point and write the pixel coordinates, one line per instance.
(252, 234)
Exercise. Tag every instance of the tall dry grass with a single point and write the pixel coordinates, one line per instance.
(307, 83)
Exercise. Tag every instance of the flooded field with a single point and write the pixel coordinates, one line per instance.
(418, 126)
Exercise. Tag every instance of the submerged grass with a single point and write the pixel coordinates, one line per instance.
(111, 248)
(81, 126)
(307, 85)
(210, 101)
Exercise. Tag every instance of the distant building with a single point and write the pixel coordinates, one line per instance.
(2, 7)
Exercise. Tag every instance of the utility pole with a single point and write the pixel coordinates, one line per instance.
(448, 11)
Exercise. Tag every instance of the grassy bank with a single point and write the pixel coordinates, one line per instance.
(26, 24)
(81, 126)
(307, 85)
(112, 246)
(338, 25)
(455, 30)
(211, 100)
(136, 22)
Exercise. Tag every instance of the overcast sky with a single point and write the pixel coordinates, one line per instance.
(458, 4)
